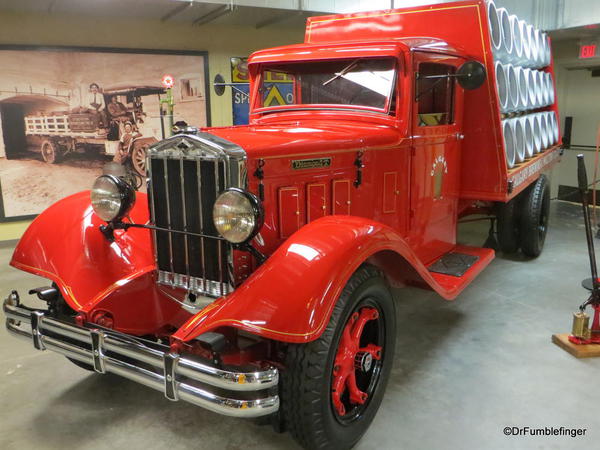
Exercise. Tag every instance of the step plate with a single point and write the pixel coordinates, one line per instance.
(454, 264)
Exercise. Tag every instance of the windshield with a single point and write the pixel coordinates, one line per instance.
(365, 83)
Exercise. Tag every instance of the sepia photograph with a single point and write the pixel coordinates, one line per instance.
(65, 113)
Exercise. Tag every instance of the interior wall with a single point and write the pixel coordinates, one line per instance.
(580, 100)
(221, 42)
(578, 96)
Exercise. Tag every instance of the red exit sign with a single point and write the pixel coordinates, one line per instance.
(587, 51)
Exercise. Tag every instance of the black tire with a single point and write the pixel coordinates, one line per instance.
(535, 209)
(61, 310)
(308, 409)
(508, 226)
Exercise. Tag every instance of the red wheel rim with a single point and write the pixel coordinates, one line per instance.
(357, 363)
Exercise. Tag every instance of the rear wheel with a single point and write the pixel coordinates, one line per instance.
(535, 211)
(333, 386)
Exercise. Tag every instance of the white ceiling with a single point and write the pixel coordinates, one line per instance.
(187, 12)
(546, 14)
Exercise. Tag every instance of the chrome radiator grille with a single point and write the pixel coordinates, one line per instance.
(186, 174)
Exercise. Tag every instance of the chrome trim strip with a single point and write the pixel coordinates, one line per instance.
(184, 212)
(112, 346)
(35, 320)
(97, 337)
(201, 223)
(65, 330)
(166, 175)
(221, 285)
(219, 248)
(170, 363)
(210, 143)
(150, 192)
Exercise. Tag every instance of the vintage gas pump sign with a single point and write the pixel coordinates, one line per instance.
(279, 90)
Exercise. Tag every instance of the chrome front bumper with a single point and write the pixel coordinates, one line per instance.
(239, 394)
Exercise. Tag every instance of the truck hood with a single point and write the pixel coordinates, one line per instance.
(299, 137)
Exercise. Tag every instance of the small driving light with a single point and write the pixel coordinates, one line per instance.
(112, 198)
(238, 215)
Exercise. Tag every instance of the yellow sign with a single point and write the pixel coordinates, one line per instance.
(274, 98)
(277, 77)
(239, 70)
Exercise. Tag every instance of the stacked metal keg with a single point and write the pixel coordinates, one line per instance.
(525, 85)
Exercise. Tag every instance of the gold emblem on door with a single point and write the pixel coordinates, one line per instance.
(315, 163)
(439, 168)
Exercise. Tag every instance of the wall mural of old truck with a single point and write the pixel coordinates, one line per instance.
(60, 133)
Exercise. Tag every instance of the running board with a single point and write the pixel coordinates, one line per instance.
(455, 270)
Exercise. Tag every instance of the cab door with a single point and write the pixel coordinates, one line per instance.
(435, 165)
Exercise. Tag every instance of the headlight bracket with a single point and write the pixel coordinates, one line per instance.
(248, 247)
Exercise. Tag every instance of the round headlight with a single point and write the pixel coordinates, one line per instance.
(237, 215)
(112, 198)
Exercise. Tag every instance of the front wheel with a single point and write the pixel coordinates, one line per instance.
(138, 159)
(332, 387)
(50, 151)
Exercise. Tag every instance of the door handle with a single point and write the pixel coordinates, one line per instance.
(459, 136)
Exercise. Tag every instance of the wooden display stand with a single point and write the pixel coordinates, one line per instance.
(578, 351)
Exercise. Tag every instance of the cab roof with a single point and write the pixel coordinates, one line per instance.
(367, 48)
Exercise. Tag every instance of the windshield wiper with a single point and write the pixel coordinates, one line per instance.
(344, 71)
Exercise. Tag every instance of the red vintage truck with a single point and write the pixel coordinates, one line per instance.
(254, 279)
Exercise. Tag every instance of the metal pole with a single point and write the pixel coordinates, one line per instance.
(170, 109)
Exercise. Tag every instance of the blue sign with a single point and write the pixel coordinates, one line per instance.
(240, 104)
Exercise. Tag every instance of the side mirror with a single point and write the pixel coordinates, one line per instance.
(471, 75)
(219, 84)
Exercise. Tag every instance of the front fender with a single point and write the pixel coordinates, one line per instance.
(291, 296)
(65, 245)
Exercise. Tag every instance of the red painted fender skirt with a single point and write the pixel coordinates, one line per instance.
(291, 296)
(65, 245)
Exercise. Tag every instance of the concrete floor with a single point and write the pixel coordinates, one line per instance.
(464, 370)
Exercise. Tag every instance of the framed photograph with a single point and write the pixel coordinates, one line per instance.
(68, 113)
